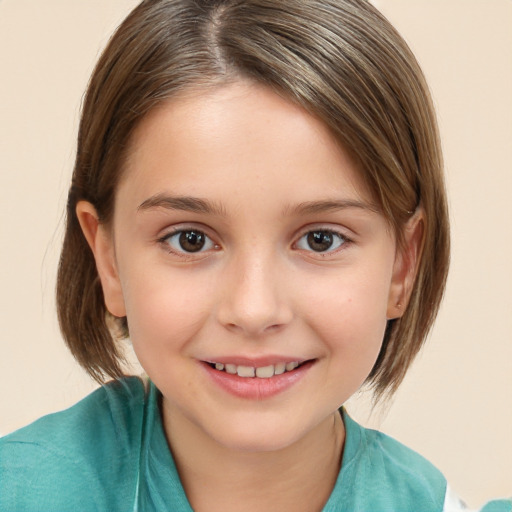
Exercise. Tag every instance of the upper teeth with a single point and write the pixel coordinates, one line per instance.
(263, 372)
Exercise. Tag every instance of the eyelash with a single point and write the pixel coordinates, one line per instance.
(333, 234)
(342, 240)
(165, 242)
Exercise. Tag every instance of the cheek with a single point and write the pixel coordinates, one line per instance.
(349, 314)
(351, 328)
(164, 311)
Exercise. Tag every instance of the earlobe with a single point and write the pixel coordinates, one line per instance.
(101, 242)
(406, 265)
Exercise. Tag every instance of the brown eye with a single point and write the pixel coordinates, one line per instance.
(321, 241)
(189, 241)
(192, 241)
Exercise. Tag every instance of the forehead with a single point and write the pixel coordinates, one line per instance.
(237, 140)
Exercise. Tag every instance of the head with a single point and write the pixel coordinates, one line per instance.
(341, 62)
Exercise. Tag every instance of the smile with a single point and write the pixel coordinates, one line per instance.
(262, 372)
(259, 381)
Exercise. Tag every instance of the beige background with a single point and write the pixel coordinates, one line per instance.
(455, 407)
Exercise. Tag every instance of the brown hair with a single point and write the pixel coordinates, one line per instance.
(339, 59)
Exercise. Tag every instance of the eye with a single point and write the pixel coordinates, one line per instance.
(321, 240)
(188, 241)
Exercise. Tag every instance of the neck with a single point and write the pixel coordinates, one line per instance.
(299, 477)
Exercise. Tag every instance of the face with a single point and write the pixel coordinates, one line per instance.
(244, 244)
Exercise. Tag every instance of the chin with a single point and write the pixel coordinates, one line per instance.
(260, 442)
(253, 435)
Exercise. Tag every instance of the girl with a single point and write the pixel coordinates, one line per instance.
(258, 203)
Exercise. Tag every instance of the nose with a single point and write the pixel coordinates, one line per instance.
(254, 299)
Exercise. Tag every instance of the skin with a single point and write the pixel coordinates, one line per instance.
(257, 288)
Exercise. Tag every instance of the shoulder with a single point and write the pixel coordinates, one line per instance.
(383, 474)
(380, 473)
(65, 458)
(402, 465)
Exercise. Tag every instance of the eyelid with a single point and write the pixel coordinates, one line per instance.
(186, 226)
(163, 240)
(336, 230)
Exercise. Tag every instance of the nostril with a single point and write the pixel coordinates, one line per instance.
(232, 327)
(274, 327)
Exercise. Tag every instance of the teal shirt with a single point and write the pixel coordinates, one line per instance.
(109, 453)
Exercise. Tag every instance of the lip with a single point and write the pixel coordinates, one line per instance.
(256, 362)
(253, 388)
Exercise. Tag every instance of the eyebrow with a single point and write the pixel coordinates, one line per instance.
(204, 206)
(184, 203)
(312, 207)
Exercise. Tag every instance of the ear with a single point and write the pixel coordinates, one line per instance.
(101, 242)
(406, 265)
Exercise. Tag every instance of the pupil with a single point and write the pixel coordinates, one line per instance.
(192, 241)
(320, 240)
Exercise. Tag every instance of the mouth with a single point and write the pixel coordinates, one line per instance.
(262, 381)
(258, 372)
